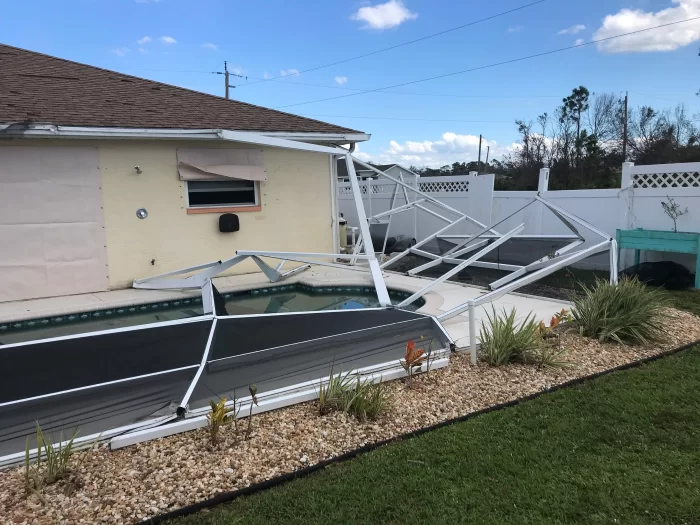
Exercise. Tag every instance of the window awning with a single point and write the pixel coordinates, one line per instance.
(220, 164)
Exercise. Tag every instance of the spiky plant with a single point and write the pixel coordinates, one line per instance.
(504, 339)
(334, 395)
(52, 460)
(628, 312)
(368, 400)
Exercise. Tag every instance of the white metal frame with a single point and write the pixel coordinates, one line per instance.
(487, 239)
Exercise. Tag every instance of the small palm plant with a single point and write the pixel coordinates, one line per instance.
(413, 360)
(219, 416)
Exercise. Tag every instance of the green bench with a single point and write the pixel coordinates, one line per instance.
(660, 241)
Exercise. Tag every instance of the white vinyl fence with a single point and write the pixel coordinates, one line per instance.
(637, 204)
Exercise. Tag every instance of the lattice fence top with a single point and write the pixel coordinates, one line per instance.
(379, 188)
(667, 180)
(383, 188)
(444, 187)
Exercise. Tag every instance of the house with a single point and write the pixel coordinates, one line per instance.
(363, 173)
(397, 169)
(106, 177)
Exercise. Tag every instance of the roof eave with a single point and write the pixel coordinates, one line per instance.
(249, 137)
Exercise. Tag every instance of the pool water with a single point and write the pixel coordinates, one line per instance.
(279, 299)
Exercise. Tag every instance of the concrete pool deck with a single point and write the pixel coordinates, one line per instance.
(440, 299)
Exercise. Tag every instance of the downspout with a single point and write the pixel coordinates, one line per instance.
(334, 204)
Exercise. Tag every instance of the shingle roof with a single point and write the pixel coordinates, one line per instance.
(47, 90)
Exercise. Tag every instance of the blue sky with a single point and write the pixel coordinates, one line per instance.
(432, 122)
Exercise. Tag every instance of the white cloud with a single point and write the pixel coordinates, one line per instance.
(515, 29)
(168, 40)
(662, 39)
(267, 75)
(579, 41)
(237, 70)
(209, 45)
(143, 50)
(450, 147)
(341, 80)
(290, 72)
(572, 30)
(144, 40)
(120, 51)
(384, 16)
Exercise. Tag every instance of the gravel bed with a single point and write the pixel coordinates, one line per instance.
(134, 483)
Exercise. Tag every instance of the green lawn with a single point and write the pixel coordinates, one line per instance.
(624, 448)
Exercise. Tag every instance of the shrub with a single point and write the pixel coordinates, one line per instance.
(413, 359)
(336, 393)
(219, 416)
(52, 460)
(628, 312)
(506, 340)
(368, 400)
(362, 399)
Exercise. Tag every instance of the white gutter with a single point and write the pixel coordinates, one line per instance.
(49, 130)
(77, 132)
(341, 138)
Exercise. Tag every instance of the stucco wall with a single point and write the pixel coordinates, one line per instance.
(295, 216)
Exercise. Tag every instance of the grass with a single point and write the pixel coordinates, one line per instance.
(623, 449)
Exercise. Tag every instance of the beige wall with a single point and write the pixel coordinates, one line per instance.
(295, 216)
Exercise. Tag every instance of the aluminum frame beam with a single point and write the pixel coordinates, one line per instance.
(448, 257)
(534, 266)
(491, 296)
(374, 267)
(420, 293)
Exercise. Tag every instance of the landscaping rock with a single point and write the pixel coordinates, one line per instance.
(141, 481)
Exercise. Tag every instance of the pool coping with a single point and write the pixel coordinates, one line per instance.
(192, 299)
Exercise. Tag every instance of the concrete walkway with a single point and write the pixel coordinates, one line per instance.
(441, 299)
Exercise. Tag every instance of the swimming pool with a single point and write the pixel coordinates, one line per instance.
(271, 300)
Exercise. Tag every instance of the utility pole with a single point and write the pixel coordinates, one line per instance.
(488, 150)
(478, 166)
(227, 74)
(226, 78)
(624, 133)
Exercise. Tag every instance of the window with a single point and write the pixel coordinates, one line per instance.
(217, 194)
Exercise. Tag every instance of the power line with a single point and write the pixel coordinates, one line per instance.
(402, 44)
(343, 88)
(654, 96)
(513, 60)
(420, 94)
(405, 118)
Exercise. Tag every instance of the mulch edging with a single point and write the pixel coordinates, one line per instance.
(285, 478)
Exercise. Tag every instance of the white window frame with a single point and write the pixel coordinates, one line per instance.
(256, 188)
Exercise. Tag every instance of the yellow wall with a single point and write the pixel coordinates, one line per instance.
(295, 216)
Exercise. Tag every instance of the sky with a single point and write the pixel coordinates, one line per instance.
(279, 47)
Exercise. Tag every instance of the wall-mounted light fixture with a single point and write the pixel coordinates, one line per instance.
(138, 170)
(142, 213)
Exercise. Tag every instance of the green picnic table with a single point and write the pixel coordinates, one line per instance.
(660, 241)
